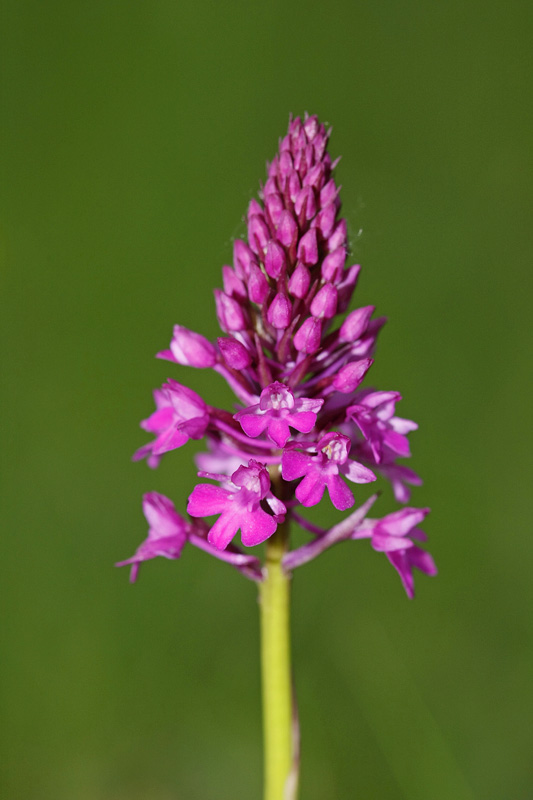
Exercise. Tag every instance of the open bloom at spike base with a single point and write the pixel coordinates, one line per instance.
(239, 506)
(296, 365)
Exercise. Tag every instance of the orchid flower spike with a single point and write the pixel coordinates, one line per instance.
(306, 422)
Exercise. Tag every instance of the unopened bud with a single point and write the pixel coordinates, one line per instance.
(350, 376)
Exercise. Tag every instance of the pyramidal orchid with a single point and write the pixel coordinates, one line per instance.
(304, 426)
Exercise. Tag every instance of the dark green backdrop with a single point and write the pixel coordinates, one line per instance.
(134, 135)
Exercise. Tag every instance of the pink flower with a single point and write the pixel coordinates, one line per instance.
(322, 470)
(167, 533)
(238, 506)
(395, 535)
(181, 415)
(276, 411)
(373, 413)
(189, 348)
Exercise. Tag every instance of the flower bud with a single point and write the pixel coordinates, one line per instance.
(280, 312)
(325, 220)
(232, 284)
(192, 349)
(285, 164)
(307, 338)
(355, 324)
(235, 354)
(339, 235)
(347, 286)
(299, 281)
(274, 206)
(301, 164)
(287, 231)
(324, 303)
(328, 193)
(295, 186)
(350, 376)
(270, 187)
(274, 259)
(308, 248)
(258, 287)
(333, 265)
(305, 204)
(242, 258)
(272, 168)
(254, 209)
(258, 233)
(315, 176)
(319, 146)
(230, 313)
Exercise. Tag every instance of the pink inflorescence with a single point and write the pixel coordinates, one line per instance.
(303, 424)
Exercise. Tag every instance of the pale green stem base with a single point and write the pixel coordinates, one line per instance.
(276, 669)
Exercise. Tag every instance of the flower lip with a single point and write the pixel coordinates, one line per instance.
(276, 397)
(254, 478)
(335, 446)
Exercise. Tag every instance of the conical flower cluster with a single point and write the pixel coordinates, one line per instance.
(304, 422)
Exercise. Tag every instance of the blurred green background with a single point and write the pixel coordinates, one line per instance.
(134, 135)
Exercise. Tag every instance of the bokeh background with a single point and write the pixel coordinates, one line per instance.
(134, 135)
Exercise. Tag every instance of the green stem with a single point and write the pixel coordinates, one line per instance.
(276, 670)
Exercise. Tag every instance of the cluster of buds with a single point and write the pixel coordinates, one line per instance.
(303, 423)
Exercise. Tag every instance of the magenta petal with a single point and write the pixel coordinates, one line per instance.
(357, 473)
(194, 428)
(278, 507)
(384, 543)
(398, 443)
(309, 492)
(422, 560)
(341, 496)
(159, 420)
(294, 465)
(403, 426)
(207, 499)
(399, 476)
(253, 424)
(278, 431)
(305, 404)
(224, 529)
(142, 452)
(399, 561)
(169, 440)
(401, 522)
(161, 514)
(256, 527)
(167, 355)
(303, 421)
